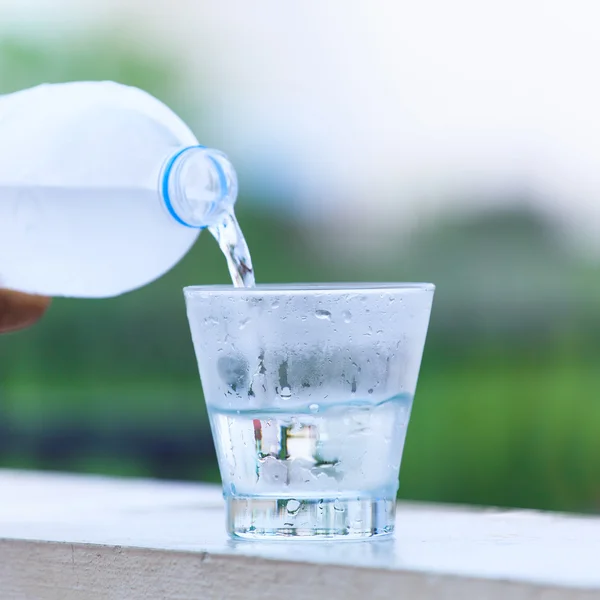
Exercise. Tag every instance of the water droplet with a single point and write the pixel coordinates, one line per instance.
(314, 408)
(323, 314)
(370, 390)
(285, 392)
(293, 506)
(232, 488)
(347, 316)
(392, 299)
(338, 506)
(320, 505)
(275, 304)
(244, 323)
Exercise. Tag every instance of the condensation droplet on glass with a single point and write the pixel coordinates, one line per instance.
(338, 506)
(244, 323)
(314, 408)
(285, 392)
(275, 304)
(293, 506)
(347, 316)
(323, 314)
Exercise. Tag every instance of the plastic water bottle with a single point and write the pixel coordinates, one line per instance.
(102, 189)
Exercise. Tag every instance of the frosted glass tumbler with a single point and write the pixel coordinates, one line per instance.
(309, 390)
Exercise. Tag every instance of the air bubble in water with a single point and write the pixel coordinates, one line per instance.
(314, 408)
(347, 316)
(323, 314)
(293, 506)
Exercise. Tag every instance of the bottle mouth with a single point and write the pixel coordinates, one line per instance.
(199, 184)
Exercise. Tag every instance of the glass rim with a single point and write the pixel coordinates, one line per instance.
(300, 288)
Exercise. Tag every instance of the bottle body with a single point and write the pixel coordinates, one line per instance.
(81, 207)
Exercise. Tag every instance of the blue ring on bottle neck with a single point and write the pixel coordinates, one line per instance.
(165, 185)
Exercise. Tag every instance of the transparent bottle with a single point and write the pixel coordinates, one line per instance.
(102, 189)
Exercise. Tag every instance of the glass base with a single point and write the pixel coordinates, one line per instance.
(351, 518)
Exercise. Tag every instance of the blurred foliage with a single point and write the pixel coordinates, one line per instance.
(507, 409)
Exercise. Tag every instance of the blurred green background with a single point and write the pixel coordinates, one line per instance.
(506, 411)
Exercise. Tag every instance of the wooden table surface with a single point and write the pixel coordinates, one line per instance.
(66, 537)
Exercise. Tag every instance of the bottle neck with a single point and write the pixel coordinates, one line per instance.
(198, 185)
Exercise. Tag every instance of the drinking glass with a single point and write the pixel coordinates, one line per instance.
(309, 390)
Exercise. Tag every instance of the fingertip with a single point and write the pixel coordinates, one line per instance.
(18, 310)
